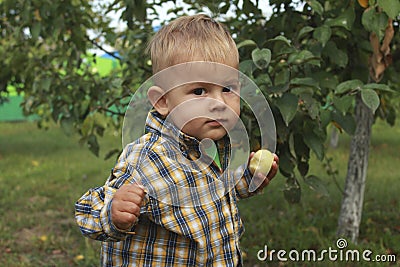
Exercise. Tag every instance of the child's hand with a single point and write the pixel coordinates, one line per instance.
(125, 208)
(267, 177)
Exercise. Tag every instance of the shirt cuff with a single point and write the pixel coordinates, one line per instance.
(242, 187)
(113, 232)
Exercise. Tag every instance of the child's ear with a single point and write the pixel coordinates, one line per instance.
(157, 97)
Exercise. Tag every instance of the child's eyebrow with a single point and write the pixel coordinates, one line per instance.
(231, 81)
(191, 85)
(220, 83)
(204, 84)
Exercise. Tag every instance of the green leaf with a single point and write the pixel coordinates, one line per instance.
(316, 6)
(67, 125)
(112, 152)
(390, 7)
(35, 30)
(292, 191)
(280, 38)
(336, 55)
(45, 84)
(378, 86)
(303, 168)
(325, 117)
(282, 77)
(261, 58)
(87, 126)
(311, 104)
(246, 43)
(301, 90)
(304, 31)
(370, 98)
(302, 57)
(286, 161)
(281, 88)
(247, 67)
(348, 86)
(249, 7)
(346, 122)
(374, 21)
(314, 142)
(139, 9)
(344, 103)
(300, 148)
(287, 105)
(325, 79)
(304, 81)
(340, 58)
(93, 145)
(345, 20)
(317, 185)
(100, 120)
(323, 34)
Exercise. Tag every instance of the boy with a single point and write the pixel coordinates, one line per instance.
(139, 213)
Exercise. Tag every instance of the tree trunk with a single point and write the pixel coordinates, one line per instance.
(352, 203)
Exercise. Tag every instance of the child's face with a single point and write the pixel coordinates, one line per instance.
(205, 110)
(204, 101)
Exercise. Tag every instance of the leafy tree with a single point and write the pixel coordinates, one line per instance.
(320, 64)
(44, 46)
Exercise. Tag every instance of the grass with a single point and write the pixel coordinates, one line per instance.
(43, 173)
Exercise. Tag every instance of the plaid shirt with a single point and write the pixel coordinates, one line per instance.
(165, 234)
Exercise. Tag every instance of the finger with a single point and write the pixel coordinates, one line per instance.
(125, 207)
(251, 155)
(131, 187)
(265, 182)
(130, 192)
(124, 220)
(131, 208)
(273, 171)
(130, 197)
(260, 178)
(276, 158)
(137, 189)
(139, 183)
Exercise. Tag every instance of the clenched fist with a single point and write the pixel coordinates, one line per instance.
(125, 208)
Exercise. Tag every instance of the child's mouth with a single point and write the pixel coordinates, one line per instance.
(216, 123)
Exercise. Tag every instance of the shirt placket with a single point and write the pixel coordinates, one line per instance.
(225, 149)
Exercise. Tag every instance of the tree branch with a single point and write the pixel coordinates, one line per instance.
(110, 111)
(103, 49)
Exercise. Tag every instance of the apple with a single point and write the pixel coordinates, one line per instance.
(261, 162)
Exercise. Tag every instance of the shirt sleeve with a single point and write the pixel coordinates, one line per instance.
(93, 209)
(242, 187)
(92, 213)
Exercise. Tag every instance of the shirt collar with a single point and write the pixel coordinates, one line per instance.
(156, 124)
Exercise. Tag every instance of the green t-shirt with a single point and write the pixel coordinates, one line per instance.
(212, 152)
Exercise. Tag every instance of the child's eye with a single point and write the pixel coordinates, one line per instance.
(228, 89)
(199, 91)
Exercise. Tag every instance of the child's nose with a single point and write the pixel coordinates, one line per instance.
(217, 102)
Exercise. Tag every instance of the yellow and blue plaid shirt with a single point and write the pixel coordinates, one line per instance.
(166, 234)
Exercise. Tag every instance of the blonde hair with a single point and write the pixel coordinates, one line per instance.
(192, 38)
